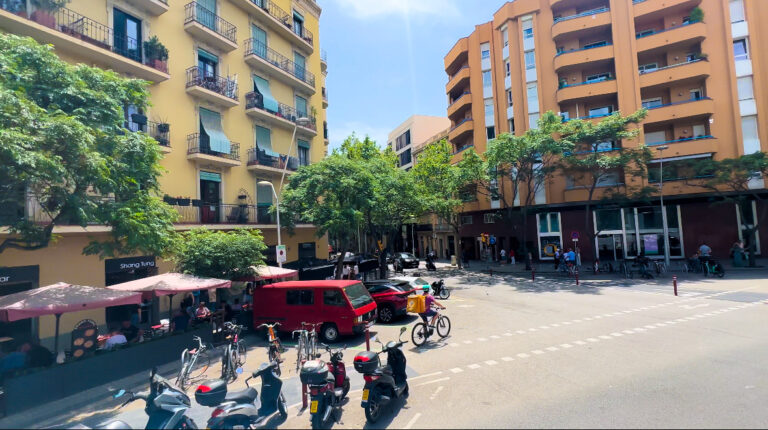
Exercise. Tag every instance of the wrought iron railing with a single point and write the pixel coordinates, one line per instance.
(256, 100)
(282, 16)
(197, 77)
(196, 12)
(200, 212)
(458, 124)
(261, 157)
(196, 144)
(161, 132)
(261, 50)
(684, 139)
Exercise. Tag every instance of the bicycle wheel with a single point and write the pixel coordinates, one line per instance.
(445, 293)
(274, 355)
(241, 352)
(197, 367)
(419, 334)
(182, 376)
(718, 270)
(300, 351)
(443, 326)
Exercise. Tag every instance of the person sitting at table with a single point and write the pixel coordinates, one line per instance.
(15, 360)
(116, 338)
(180, 321)
(131, 332)
(202, 312)
(226, 309)
(38, 355)
(236, 306)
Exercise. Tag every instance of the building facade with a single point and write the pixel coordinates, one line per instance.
(694, 64)
(412, 133)
(242, 78)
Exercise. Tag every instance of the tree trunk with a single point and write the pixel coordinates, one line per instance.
(344, 247)
(525, 238)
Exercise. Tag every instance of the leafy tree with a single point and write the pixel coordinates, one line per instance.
(731, 180)
(219, 254)
(334, 194)
(440, 184)
(590, 164)
(64, 151)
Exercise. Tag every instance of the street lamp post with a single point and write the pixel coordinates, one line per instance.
(303, 121)
(663, 210)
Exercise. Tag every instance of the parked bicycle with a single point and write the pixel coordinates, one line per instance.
(233, 358)
(421, 331)
(713, 268)
(275, 347)
(306, 349)
(194, 363)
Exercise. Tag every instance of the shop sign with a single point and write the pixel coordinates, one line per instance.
(115, 265)
(10, 275)
(281, 253)
(651, 242)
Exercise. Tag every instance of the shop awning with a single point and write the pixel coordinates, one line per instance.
(263, 273)
(211, 122)
(61, 298)
(170, 283)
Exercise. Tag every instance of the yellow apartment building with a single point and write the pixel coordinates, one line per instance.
(241, 79)
(703, 81)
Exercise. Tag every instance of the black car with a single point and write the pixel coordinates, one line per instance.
(407, 260)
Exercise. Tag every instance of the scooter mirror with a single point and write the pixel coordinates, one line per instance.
(402, 330)
(239, 370)
(119, 394)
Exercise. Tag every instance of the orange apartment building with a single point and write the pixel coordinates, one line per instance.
(702, 80)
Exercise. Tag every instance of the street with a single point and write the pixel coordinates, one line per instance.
(606, 353)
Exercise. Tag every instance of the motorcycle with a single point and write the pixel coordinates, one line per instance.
(328, 384)
(440, 291)
(166, 406)
(244, 408)
(382, 383)
(430, 262)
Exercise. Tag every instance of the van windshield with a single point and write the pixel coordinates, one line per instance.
(358, 295)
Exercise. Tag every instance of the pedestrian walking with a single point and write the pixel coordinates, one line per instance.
(557, 258)
(502, 256)
(511, 256)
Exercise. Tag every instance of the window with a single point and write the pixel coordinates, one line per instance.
(532, 91)
(506, 67)
(652, 103)
(533, 120)
(485, 53)
(490, 132)
(403, 140)
(298, 23)
(598, 77)
(299, 297)
(505, 37)
(645, 68)
(489, 218)
(487, 79)
(740, 50)
(300, 65)
(530, 60)
(488, 103)
(696, 94)
(511, 125)
(604, 146)
(690, 57)
(643, 33)
(301, 107)
(595, 44)
(303, 152)
(656, 137)
(205, 13)
(608, 219)
(565, 116)
(259, 37)
(405, 157)
(749, 131)
(206, 64)
(509, 98)
(127, 34)
(686, 20)
(333, 298)
(263, 138)
(527, 29)
(744, 86)
(549, 222)
(737, 10)
(601, 111)
(466, 219)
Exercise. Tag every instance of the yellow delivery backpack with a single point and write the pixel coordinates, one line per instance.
(416, 304)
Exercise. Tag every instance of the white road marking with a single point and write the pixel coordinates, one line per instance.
(555, 325)
(481, 339)
(544, 327)
(566, 323)
(523, 355)
(433, 381)
(577, 321)
(592, 339)
(628, 331)
(531, 329)
(412, 421)
(651, 327)
(493, 336)
(552, 348)
(604, 337)
(566, 345)
(617, 334)
(491, 362)
(689, 307)
(520, 332)
(507, 334)
(467, 342)
(426, 376)
(473, 366)
(580, 342)
(437, 391)
(507, 359)
(537, 351)
(457, 370)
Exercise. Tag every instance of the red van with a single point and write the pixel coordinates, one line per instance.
(343, 307)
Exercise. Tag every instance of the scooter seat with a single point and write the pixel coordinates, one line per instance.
(245, 396)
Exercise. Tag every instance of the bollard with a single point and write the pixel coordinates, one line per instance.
(367, 338)
(577, 278)
(490, 271)
(533, 275)
(674, 283)
(304, 396)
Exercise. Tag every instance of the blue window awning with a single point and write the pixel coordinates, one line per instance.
(211, 124)
(262, 86)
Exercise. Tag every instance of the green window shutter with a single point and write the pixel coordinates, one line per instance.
(301, 106)
(207, 55)
(259, 41)
(263, 195)
(211, 123)
(206, 13)
(303, 144)
(262, 85)
(263, 138)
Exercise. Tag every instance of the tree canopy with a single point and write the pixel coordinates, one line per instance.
(66, 158)
(219, 254)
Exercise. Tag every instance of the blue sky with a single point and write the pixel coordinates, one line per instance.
(385, 59)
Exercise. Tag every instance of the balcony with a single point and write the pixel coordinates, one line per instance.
(260, 57)
(671, 112)
(586, 90)
(199, 212)
(198, 151)
(85, 39)
(215, 89)
(153, 7)
(279, 21)
(462, 129)
(285, 117)
(685, 34)
(457, 55)
(583, 56)
(686, 71)
(652, 9)
(459, 79)
(591, 19)
(323, 61)
(460, 105)
(325, 97)
(688, 139)
(205, 26)
(270, 163)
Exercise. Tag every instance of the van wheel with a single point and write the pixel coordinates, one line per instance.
(386, 314)
(329, 332)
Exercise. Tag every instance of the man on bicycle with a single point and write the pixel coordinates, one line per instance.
(429, 302)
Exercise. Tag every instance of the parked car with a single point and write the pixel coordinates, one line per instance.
(407, 260)
(391, 298)
(417, 284)
(343, 307)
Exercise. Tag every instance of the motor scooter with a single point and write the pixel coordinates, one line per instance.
(244, 408)
(166, 406)
(382, 383)
(430, 262)
(440, 291)
(328, 384)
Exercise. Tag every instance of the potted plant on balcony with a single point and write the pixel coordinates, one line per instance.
(163, 127)
(696, 15)
(183, 201)
(18, 7)
(563, 83)
(45, 10)
(156, 54)
(170, 200)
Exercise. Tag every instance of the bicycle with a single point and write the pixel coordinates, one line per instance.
(275, 347)
(421, 331)
(194, 363)
(660, 267)
(713, 268)
(233, 358)
(307, 345)
(625, 270)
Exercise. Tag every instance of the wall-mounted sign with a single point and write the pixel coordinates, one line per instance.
(12, 275)
(114, 265)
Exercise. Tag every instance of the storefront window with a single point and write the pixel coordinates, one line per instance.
(649, 218)
(549, 234)
(548, 245)
(608, 219)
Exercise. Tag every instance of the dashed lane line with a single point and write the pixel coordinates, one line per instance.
(412, 421)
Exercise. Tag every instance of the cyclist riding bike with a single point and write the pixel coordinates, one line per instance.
(429, 304)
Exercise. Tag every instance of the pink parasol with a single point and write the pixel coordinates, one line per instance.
(170, 283)
(272, 272)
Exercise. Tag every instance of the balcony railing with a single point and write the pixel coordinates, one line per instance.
(196, 77)
(581, 49)
(462, 148)
(83, 28)
(457, 72)
(585, 13)
(196, 144)
(599, 115)
(644, 72)
(677, 103)
(593, 81)
(258, 48)
(458, 124)
(465, 93)
(161, 132)
(196, 12)
(279, 14)
(256, 100)
(685, 139)
(199, 212)
(269, 158)
(325, 94)
(652, 32)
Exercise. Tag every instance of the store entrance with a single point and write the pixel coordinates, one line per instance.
(610, 247)
(211, 197)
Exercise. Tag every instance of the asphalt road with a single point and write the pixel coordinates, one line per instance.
(606, 353)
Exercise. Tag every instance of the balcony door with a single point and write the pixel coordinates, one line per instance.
(301, 64)
(127, 35)
(259, 41)
(206, 13)
(210, 194)
(206, 64)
